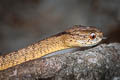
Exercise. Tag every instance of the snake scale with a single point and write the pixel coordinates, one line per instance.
(76, 36)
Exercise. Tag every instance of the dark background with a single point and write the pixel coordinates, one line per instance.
(23, 22)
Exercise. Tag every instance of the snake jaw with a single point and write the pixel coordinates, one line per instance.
(88, 43)
(81, 42)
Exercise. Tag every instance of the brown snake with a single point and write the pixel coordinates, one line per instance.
(77, 36)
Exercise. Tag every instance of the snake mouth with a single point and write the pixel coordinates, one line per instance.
(89, 45)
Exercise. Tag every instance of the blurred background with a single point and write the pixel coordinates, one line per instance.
(23, 22)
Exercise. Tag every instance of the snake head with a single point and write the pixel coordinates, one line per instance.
(81, 36)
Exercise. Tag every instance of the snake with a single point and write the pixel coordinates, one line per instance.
(76, 36)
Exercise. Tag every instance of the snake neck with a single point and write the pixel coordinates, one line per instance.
(32, 52)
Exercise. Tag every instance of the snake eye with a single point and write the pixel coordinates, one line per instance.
(92, 35)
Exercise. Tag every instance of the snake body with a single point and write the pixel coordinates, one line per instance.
(77, 36)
